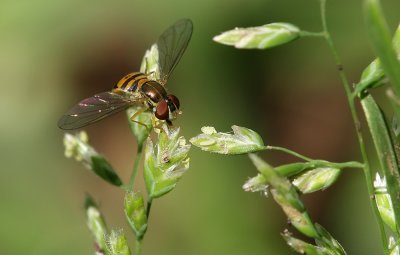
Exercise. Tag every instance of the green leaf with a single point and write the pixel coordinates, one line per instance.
(379, 33)
(395, 126)
(102, 168)
(96, 223)
(396, 41)
(242, 141)
(135, 213)
(373, 75)
(77, 146)
(316, 179)
(395, 103)
(384, 148)
(165, 163)
(261, 37)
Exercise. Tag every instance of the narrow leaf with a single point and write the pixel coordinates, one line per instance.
(385, 150)
(379, 33)
(103, 169)
(373, 75)
(77, 147)
(395, 103)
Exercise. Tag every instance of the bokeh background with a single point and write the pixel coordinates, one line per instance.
(54, 53)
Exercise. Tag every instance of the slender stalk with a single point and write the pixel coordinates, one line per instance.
(347, 88)
(149, 203)
(138, 247)
(315, 34)
(350, 164)
(316, 163)
(135, 168)
(297, 155)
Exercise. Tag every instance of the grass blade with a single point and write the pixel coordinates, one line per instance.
(385, 150)
(382, 42)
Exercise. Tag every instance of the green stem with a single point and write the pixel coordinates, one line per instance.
(347, 88)
(138, 247)
(317, 162)
(135, 168)
(311, 34)
(298, 155)
(149, 203)
(350, 164)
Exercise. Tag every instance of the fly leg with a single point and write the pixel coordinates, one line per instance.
(158, 125)
(132, 118)
(163, 126)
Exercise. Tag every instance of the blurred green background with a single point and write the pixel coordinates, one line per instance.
(54, 53)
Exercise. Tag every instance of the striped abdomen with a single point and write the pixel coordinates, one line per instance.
(138, 82)
(131, 82)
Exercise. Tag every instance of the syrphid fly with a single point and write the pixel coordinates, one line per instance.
(137, 88)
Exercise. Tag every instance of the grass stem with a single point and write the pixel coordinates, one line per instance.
(135, 168)
(138, 247)
(350, 99)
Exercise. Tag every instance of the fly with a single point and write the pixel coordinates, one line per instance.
(138, 88)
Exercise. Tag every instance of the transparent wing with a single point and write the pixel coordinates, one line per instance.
(93, 109)
(171, 46)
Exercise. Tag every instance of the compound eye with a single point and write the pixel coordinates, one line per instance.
(162, 111)
(174, 100)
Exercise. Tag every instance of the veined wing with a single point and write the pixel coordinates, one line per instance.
(171, 46)
(93, 109)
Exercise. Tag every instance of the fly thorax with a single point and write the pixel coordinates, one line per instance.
(154, 92)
